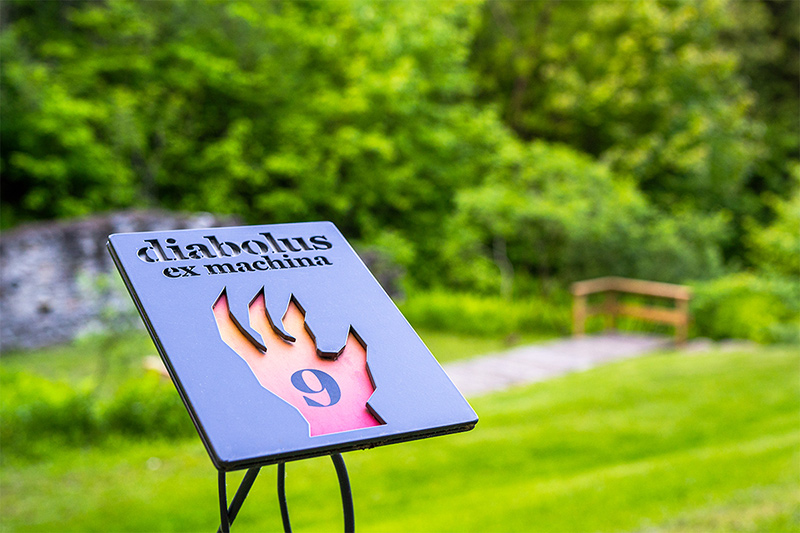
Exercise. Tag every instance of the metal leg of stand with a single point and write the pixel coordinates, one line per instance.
(287, 526)
(347, 495)
(238, 498)
(225, 526)
(228, 515)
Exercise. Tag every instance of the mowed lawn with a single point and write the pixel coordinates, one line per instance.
(670, 442)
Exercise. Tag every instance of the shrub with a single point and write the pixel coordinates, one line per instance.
(549, 211)
(33, 408)
(486, 315)
(147, 406)
(36, 413)
(776, 247)
(747, 306)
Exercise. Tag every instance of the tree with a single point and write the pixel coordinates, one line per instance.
(355, 112)
(775, 249)
(652, 88)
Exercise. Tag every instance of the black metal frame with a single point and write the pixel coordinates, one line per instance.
(228, 514)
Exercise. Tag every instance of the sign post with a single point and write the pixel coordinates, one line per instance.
(283, 346)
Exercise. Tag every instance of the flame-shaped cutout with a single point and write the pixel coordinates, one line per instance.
(331, 394)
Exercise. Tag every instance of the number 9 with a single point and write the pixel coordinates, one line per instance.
(326, 382)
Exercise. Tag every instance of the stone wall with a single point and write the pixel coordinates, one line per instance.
(57, 278)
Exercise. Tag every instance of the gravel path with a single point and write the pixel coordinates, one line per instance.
(528, 364)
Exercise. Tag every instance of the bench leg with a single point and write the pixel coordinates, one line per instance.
(579, 316)
(610, 310)
(682, 328)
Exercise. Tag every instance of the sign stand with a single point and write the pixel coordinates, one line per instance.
(283, 346)
(228, 514)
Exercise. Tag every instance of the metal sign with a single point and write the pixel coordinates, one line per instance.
(282, 344)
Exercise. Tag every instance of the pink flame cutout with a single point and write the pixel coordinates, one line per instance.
(318, 402)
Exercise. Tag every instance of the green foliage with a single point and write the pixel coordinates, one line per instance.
(775, 249)
(36, 412)
(101, 362)
(147, 406)
(58, 154)
(767, 37)
(478, 145)
(348, 111)
(551, 211)
(748, 306)
(650, 87)
(33, 408)
(487, 315)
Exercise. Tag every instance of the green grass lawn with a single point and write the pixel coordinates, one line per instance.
(671, 442)
(97, 361)
(448, 347)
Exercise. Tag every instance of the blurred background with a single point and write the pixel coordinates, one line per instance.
(482, 156)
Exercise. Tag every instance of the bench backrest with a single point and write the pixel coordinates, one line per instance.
(678, 317)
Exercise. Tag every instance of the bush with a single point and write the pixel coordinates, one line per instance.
(776, 248)
(33, 408)
(147, 406)
(747, 306)
(36, 412)
(487, 315)
(549, 211)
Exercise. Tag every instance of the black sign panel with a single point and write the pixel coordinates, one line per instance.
(282, 344)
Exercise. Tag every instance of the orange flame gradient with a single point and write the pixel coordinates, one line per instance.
(327, 407)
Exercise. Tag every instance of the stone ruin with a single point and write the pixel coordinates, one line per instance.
(57, 279)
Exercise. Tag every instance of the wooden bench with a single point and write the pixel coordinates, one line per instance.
(612, 308)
